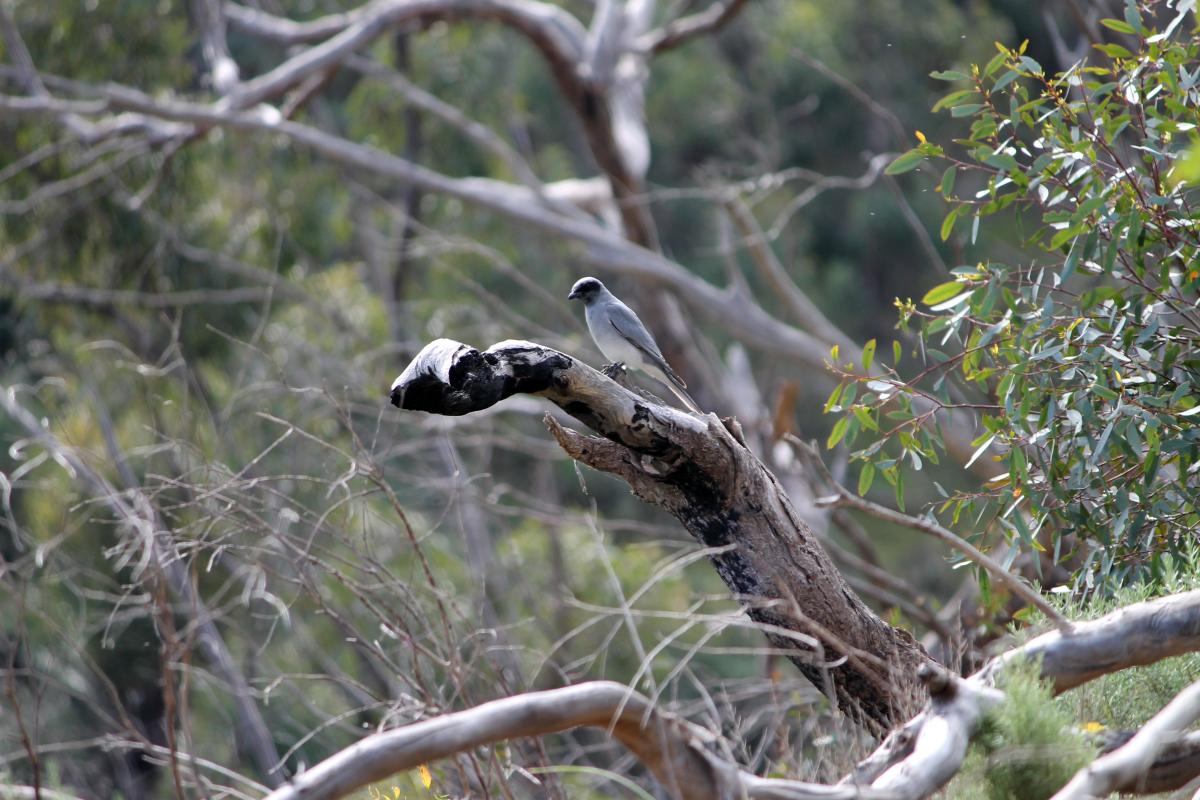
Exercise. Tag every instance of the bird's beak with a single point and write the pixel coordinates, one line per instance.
(572, 296)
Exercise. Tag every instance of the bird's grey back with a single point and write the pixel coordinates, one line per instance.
(627, 324)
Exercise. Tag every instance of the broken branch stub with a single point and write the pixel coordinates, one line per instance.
(696, 469)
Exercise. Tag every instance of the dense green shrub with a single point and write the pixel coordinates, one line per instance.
(1029, 746)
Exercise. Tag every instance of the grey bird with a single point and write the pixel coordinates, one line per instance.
(622, 337)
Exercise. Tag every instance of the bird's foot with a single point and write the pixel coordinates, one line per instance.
(614, 369)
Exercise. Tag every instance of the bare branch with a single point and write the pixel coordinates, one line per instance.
(684, 29)
(27, 73)
(857, 92)
(567, 29)
(289, 32)
(603, 40)
(743, 318)
(844, 498)
(914, 762)
(100, 170)
(157, 550)
(917, 226)
(819, 185)
(935, 752)
(557, 34)
(806, 313)
(671, 748)
(86, 295)
(472, 129)
(12, 791)
(222, 69)
(610, 112)
(924, 754)
(18, 53)
(1134, 636)
(738, 314)
(1177, 763)
(50, 105)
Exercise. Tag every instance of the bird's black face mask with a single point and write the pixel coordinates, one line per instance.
(585, 289)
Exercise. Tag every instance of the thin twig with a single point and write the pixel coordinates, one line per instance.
(844, 498)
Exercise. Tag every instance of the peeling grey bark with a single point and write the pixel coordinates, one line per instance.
(1133, 636)
(698, 469)
(920, 757)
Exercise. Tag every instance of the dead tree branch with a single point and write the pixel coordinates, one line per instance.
(1177, 763)
(684, 29)
(222, 69)
(807, 314)
(1134, 636)
(556, 34)
(738, 314)
(609, 106)
(700, 472)
(922, 756)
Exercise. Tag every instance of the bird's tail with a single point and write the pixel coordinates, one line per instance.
(684, 397)
(675, 383)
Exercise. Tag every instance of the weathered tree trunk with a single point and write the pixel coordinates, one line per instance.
(698, 469)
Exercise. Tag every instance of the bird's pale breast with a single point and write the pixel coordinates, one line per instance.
(612, 344)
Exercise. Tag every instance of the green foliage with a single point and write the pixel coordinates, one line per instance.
(1031, 746)
(1081, 361)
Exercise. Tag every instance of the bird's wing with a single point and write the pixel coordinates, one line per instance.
(631, 328)
(626, 323)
